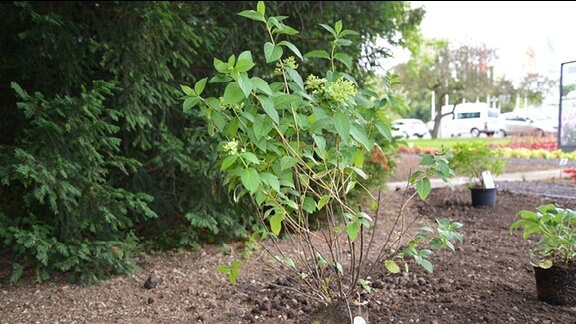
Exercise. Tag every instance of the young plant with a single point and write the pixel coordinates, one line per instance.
(555, 230)
(470, 159)
(296, 146)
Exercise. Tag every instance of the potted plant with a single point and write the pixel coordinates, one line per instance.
(553, 253)
(479, 163)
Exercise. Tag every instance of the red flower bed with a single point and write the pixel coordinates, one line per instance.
(571, 172)
(549, 144)
(417, 150)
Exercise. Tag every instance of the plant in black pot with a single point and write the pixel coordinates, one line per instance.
(552, 231)
(480, 164)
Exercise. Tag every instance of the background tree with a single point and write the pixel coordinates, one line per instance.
(535, 88)
(464, 74)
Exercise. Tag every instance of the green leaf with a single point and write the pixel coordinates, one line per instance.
(427, 265)
(427, 160)
(231, 128)
(293, 74)
(219, 120)
(288, 261)
(270, 109)
(189, 103)
(344, 59)
(348, 32)
(359, 172)
(349, 186)
(244, 63)
(423, 187)
(232, 94)
(286, 30)
(187, 90)
(545, 264)
(317, 53)
(213, 103)
(261, 85)
(343, 42)
(366, 285)
(323, 201)
(200, 85)
(342, 125)
(272, 52)
(392, 266)
(250, 157)
(321, 260)
(384, 130)
(309, 205)
(282, 100)
(293, 48)
(228, 161)
(320, 143)
(287, 162)
(245, 84)
(221, 66)
(339, 267)
(250, 179)
(236, 265)
(290, 203)
(262, 126)
(254, 15)
(271, 180)
(261, 8)
(338, 26)
(353, 229)
(276, 223)
(365, 217)
(359, 159)
(332, 31)
(224, 269)
(359, 134)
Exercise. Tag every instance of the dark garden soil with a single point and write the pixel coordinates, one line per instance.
(488, 279)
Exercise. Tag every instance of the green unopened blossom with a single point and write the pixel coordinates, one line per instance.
(341, 90)
(235, 107)
(314, 84)
(231, 148)
(289, 62)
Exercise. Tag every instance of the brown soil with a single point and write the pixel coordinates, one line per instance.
(488, 279)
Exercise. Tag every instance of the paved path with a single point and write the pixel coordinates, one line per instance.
(517, 176)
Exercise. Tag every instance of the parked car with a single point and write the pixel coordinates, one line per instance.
(522, 124)
(409, 128)
(469, 119)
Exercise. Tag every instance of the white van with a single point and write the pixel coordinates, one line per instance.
(469, 119)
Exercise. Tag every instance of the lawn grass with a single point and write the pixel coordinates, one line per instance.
(437, 143)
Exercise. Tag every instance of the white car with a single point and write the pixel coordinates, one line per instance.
(409, 128)
(528, 125)
(469, 119)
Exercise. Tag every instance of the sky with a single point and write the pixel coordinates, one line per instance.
(543, 29)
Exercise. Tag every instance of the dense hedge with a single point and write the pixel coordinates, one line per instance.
(98, 159)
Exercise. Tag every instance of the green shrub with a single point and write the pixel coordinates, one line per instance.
(296, 145)
(61, 210)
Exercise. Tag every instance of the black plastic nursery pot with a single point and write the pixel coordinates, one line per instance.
(556, 285)
(483, 197)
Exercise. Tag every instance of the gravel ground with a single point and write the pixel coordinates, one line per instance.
(560, 186)
(555, 188)
(487, 279)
